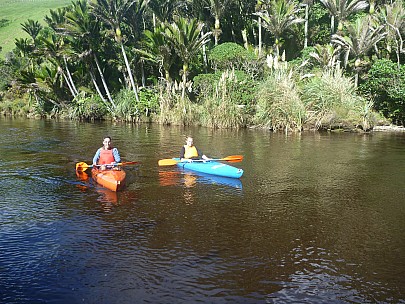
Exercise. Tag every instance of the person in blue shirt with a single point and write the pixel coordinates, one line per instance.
(106, 155)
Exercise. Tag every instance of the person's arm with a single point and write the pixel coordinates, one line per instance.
(203, 156)
(96, 157)
(116, 155)
(182, 151)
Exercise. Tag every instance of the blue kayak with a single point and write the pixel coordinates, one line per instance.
(211, 167)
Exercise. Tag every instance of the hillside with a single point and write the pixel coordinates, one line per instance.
(15, 12)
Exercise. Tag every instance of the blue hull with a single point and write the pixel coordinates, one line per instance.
(211, 167)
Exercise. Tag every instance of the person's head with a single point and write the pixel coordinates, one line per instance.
(189, 141)
(107, 142)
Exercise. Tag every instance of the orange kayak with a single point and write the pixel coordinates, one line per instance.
(113, 179)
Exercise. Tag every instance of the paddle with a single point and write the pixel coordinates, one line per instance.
(82, 166)
(171, 162)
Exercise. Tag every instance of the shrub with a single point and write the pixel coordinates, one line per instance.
(129, 109)
(279, 106)
(385, 83)
(331, 101)
(87, 107)
(241, 90)
(229, 55)
(220, 108)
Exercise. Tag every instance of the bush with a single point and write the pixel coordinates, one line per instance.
(87, 108)
(241, 90)
(229, 55)
(6, 74)
(129, 109)
(279, 106)
(385, 83)
(331, 101)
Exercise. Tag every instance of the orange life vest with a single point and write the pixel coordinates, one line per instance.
(106, 157)
(190, 152)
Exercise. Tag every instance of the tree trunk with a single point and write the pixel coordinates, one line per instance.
(183, 91)
(129, 72)
(260, 36)
(70, 76)
(306, 26)
(216, 30)
(204, 51)
(93, 78)
(68, 83)
(104, 82)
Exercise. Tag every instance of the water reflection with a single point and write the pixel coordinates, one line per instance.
(106, 197)
(190, 179)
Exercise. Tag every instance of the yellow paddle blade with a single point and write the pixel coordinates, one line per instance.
(233, 158)
(82, 166)
(167, 162)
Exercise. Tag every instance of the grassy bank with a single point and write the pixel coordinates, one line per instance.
(15, 12)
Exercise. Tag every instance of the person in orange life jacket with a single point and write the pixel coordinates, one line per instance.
(106, 155)
(189, 151)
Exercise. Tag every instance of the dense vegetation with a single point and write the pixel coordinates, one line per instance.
(278, 64)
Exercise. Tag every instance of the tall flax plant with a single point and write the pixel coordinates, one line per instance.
(175, 109)
(279, 106)
(219, 110)
(332, 100)
(127, 107)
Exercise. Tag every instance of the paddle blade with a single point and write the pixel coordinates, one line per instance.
(233, 158)
(167, 162)
(82, 166)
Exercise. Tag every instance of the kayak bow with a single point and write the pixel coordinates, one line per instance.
(113, 179)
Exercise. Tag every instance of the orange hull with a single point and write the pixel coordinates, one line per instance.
(110, 179)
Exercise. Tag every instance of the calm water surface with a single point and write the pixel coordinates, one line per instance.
(316, 218)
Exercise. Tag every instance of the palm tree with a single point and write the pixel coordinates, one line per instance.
(217, 9)
(361, 38)
(24, 46)
(56, 18)
(278, 17)
(113, 13)
(325, 55)
(342, 9)
(52, 47)
(158, 50)
(56, 45)
(164, 10)
(258, 8)
(32, 28)
(185, 37)
(84, 32)
(393, 15)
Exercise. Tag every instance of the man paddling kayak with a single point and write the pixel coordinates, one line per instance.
(106, 155)
(189, 151)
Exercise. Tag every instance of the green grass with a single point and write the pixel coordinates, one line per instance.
(15, 12)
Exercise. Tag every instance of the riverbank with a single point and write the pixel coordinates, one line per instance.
(390, 128)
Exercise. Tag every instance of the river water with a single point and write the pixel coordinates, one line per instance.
(316, 218)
